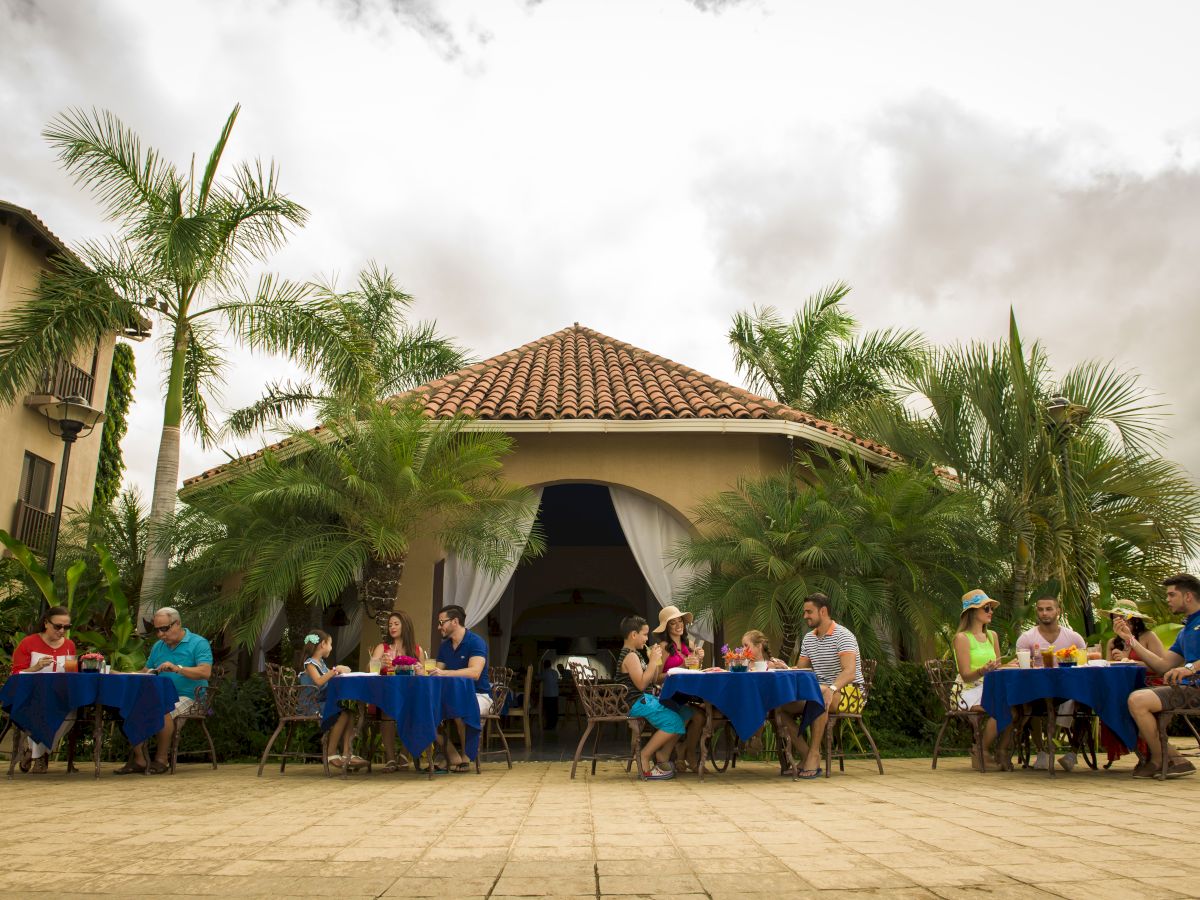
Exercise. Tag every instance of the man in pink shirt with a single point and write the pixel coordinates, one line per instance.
(1050, 632)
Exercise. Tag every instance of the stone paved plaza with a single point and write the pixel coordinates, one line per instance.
(533, 832)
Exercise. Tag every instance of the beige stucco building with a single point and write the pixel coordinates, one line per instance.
(30, 455)
(596, 422)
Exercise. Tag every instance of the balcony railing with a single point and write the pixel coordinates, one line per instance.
(32, 525)
(64, 379)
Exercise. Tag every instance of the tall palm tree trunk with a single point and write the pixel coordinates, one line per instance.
(381, 585)
(166, 483)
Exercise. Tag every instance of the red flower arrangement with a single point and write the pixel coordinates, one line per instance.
(737, 657)
(99, 656)
(405, 661)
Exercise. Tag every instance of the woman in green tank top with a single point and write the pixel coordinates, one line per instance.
(977, 652)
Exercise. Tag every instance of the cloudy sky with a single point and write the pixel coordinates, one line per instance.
(647, 167)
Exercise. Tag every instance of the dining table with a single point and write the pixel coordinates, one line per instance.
(418, 704)
(39, 702)
(1103, 688)
(745, 699)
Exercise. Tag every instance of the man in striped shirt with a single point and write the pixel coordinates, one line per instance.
(831, 651)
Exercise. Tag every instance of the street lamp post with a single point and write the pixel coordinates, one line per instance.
(1068, 416)
(70, 419)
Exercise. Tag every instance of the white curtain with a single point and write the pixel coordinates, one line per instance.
(653, 533)
(476, 590)
(270, 635)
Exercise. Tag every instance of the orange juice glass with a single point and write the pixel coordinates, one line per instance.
(70, 664)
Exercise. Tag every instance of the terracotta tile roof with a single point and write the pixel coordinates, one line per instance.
(581, 374)
(38, 226)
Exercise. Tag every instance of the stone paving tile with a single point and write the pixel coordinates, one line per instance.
(533, 832)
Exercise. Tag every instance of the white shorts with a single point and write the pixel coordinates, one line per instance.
(485, 703)
(182, 707)
(972, 696)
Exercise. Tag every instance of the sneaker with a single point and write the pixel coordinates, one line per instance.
(1177, 768)
(1067, 760)
(658, 774)
(1043, 761)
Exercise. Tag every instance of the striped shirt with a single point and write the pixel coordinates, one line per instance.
(823, 652)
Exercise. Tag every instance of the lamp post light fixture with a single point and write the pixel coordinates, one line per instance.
(69, 418)
(1068, 416)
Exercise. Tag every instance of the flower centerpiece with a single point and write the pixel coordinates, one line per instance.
(405, 665)
(737, 659)
(91, 662)
(1066, 656)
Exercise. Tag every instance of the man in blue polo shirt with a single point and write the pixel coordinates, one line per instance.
(186, 659)
(463, 654)
(1178, 667)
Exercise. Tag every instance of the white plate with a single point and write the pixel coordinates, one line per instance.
(680, 670)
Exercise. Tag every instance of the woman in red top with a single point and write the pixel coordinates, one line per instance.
(49, 645)
(401, 641)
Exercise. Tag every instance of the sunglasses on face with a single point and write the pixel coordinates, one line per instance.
(63, 627)
(442, 622)
(163, 629)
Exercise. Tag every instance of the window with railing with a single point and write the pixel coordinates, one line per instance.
(32, 520)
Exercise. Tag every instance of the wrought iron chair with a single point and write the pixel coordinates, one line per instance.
(200, 712)
(943, 676)
(839, 721)
(288, 692)
(500, 677)
(603, 703)
(1164, 720)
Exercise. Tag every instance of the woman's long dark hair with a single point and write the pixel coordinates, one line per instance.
(1137, 626)
(668, 643)
(408, 634)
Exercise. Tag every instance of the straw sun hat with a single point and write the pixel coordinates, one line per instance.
(667, 613)
(1127, 609)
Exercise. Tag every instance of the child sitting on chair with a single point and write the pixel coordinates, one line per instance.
(315, 675)
(638, 678)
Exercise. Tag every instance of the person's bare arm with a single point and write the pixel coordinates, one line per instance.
(848, 659)
(1162, 662)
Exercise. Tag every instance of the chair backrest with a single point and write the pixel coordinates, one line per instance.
(204, 695)
(501, 678)
(868, 669)
(287, 690)
(598, 700)
(943, 676)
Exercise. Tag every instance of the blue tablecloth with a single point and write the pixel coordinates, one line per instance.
(747, 697)
(1105, 689)
(418, 703)
(39, 702)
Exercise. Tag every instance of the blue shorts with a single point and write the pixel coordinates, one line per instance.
(660, 717)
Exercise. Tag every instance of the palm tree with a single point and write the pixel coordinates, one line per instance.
(815, 362)
(1060, 495)
(342, 507)
(391, 355)
(874, 542)
(181, 258)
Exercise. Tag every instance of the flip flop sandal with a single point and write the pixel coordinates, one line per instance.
(356, 763)
(130, 768)
(809, 774)
(337, 761)
(391, 766)
(157, 768)
(460, 768)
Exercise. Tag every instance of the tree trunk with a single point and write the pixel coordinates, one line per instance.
(381, 585)
(162, 506)
(166, 484)
(790, 635)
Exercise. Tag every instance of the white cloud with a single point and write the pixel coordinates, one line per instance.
(647, 168)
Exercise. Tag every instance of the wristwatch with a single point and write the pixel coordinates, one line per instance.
(1191, 667)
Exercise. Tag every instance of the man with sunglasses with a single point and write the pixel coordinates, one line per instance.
(186, 659)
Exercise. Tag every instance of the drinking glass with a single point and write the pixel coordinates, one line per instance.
(692, 661)
(1023, 659)
(430, 665)
(375, 665)
(69, 664)
(1048, 658)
